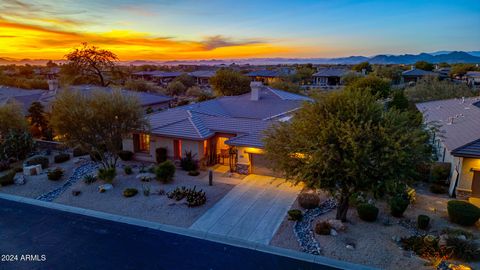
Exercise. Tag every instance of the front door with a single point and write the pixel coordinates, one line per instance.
(476, 184)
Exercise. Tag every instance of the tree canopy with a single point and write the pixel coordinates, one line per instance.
(98, 122)
(424, 65)
(176, 88)
(38, 120)
(286, 86)
(431, 88)
(345, 142)
(392, 73)
(91, 62)
(187, 80)
(11, 119)
(15, 140)
(375, 85)
(363, 66)
(461, 69)
(228, 82)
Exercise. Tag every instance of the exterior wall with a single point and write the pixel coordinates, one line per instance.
(163, 142)
(244, 164)
(466, 174)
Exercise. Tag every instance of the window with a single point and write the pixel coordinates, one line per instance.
(143, 142)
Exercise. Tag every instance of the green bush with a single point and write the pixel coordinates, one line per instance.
(55, 174)
(188, 163)
(107, 175)
(440, 172)
(7, 179)
(62, 157)
(128, 170)
(38, 160)
(308, 200)
(438, 189)
(367, 212)
(463, 249)
(295, 215)
(79, 151)
(165, 171)
(89, 179)
(423, 221)
(130, 192)
(356, 199)
(398, 205)
(463, 213)
(193, 173)
(323, 228)
(161, 155)
(125, 155)
(4, 165)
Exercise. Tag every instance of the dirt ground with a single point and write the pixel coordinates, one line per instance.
(373, 241)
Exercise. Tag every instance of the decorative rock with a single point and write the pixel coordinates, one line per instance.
(333, 232)
(337, 224)
(396, 238)
(104, 187)
(32, 170)
(350, 247)
(145, 177)
(76, 192)
(386, 221)
(19, 179)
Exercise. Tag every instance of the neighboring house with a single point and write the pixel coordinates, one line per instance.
(443, 73)
(268, 76)
(160, 77)
(329, 77)
(227, 130)
(415, 74)
(202, 77)
(23, 97)
(473, 78)
(457, 141)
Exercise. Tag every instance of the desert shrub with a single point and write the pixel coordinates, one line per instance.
(62, 157)
(193, 173)
(455, 232)
(79, 151)
(130, 192)
(367, 212)
(16, 144)
(141, 86)
(463, 249)
(423, 221)
(438, 189)
(188, 163)
(295, 215)
(89, 179)
(161, 154)
(178, 193)
(323, 228)
(55, 174)
(430, 88)
(356, 199)
(4, 165)
(38, 160)
(107, 175)
(308, 200)
(128, 170)
(440, 172)
(95, 156)
(426, 246)
(398, 205)
(7, 179)
(463, 213)
(125, 155)
(193, 197)
(165, 171)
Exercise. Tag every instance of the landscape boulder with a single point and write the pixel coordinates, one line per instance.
(19, 179)
(337, 225)
(104, 187)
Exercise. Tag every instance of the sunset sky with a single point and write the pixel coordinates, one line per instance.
(193, 29)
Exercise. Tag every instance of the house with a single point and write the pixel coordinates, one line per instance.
(268, 76)
(328, 77)
(457, 141)
(160, 77)
(415, 74)
(202, 77)
(23, 97)
(226, 130)
(473, 78)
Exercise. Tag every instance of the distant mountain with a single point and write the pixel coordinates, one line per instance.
(407, 59)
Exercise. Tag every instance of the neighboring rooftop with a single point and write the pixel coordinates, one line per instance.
(458, 120)
(265, 73)
(331, 72)
(203, 73)
(418, 73)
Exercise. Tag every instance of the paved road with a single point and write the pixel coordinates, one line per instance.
(253, 210)
(72, 241)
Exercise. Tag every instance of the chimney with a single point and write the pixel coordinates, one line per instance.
(412, 67)
(255, 94)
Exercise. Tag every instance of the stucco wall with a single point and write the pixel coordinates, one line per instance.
(127, 144)
(466, 174)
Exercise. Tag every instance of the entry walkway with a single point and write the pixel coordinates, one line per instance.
(253, 210)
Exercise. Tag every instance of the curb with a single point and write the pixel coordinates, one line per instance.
(321, 260)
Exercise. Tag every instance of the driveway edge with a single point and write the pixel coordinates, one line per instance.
(190, 233)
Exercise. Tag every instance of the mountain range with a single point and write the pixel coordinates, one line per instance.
(407, 59)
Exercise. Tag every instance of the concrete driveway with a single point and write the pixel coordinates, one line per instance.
(253, 210)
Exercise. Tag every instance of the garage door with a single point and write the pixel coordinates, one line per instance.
(260, 165)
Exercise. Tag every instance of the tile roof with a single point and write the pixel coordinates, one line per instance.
(419, 72)
(203, 73)
(331, 72)
(458, 120)
(473, 74)
(237, 114)
(471, 150)
(264, 73)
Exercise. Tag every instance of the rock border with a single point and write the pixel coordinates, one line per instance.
(303, 228)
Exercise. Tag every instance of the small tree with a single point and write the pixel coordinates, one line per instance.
(176, 88)
(38, 120)
(286, 86)
(375, 85)
(424, 65)
(228, 82)
(345, 142)
(363, 66)
(11, 119)
(187, 80)
(91, 61)
(15, 141)
(97, 123)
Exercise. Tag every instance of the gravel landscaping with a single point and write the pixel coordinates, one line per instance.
(155, 207)
(375, 244)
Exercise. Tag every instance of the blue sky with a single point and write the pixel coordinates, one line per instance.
(228, 29)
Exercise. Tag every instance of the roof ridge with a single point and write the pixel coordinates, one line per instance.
(193, 124)
(465, 145)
